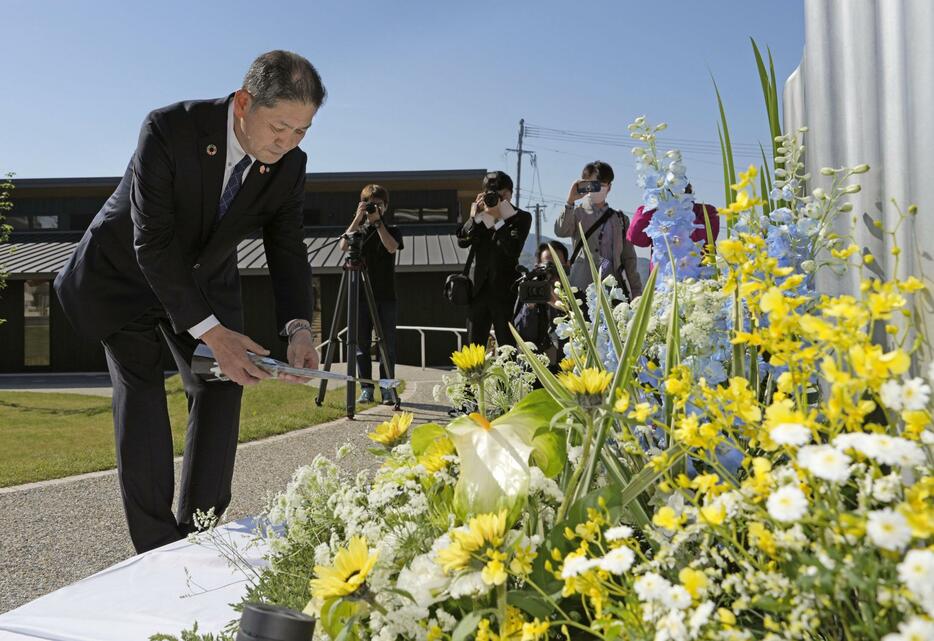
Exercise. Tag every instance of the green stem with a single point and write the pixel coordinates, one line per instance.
(481, 402)
(570, 495)
(501, 606)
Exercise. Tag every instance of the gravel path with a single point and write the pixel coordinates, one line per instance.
(58, 532)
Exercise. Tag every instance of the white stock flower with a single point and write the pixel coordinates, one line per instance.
(825, 462)
(651, 587)
(700, 617)
(790, 434)
(617, 560)
(891, 395)
(671, 628)
(931, 372)
(618, 532)
(915, 394)
(787, 504)
(888, 529)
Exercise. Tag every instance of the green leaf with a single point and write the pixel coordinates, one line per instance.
(549, 451)
(336, 613)
(424, 435)
(646, 477)
(603, 302)
(633, 347)
(469, 623)
(530, 602)
(545, 377)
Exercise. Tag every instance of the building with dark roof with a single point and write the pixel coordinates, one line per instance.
(50, 214)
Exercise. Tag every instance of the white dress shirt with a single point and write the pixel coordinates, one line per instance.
(235, 154)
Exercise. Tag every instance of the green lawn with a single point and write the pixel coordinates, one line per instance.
(48, 435)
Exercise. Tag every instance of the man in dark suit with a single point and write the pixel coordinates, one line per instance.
(496, 234)
(160, 260)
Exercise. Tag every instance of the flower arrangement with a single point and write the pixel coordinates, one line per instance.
(731, 456)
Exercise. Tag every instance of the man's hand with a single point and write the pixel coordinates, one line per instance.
(230, 351)
(301, 353)
(573, 196)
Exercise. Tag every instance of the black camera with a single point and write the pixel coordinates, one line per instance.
(537, 284)
(491, 198)
(371, 208)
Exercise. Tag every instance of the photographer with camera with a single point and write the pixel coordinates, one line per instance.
(538, 303)
(379, 243)
(495, 232)
(604, 229)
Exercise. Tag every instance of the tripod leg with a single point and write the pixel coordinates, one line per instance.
(332, 338)
(380, 336)
(353, 303)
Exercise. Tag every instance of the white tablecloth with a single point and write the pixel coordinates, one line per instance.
(141, 596)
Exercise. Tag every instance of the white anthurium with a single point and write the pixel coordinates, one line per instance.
(494, 456)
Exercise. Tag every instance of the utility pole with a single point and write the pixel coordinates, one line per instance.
(519, 151)
(538, 225)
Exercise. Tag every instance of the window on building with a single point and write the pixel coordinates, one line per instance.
(36, 301)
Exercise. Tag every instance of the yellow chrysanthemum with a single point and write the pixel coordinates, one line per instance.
(590, 382)
(351, 567)
(566, 364)
(432, 459)
(391, 431)
(470, 360)
(482, 532)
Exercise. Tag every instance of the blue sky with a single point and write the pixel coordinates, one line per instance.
(412, 85)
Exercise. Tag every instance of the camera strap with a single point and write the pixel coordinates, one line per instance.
(580, 243)
(466, 271)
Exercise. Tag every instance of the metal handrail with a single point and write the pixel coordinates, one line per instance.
(421, 329)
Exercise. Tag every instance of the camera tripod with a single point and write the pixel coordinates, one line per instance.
(355, 272)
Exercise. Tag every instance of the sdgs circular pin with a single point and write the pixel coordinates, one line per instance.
(211, 150)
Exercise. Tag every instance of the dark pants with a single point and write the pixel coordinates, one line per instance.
(487, 312)
(144, 437)
(386, 313)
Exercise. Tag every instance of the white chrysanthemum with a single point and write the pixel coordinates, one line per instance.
(575, 565)
(677, 598)
(888, 529)
(885, 489)
(915, 394)
(617, 560)
(787, 504)
(889, 450)
(651, 587)
(916, 629)
(891, 395)
(916, 571)
(825, 462)
(790, 434)
(618, 532)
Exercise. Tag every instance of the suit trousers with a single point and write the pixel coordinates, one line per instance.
(144, 437)
(488, 311)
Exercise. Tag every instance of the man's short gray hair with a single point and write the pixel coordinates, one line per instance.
(283, 75)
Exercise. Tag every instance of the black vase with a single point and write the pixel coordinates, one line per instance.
(262, 622)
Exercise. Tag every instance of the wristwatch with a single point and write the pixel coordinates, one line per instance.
(377, 223)
(296, 326)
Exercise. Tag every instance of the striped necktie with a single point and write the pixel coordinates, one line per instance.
(233, 186)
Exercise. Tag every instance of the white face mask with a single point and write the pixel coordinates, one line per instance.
(600, 197)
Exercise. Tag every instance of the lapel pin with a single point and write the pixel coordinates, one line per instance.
(262, 169)
(211, 149)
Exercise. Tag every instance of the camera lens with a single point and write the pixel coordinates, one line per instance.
(370, 208)
(491, 199)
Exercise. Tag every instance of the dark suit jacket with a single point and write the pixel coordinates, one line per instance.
(496, 254)
(156, 241)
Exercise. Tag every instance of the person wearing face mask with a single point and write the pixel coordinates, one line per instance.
(380, 244)
(495, 234)
(605, 230)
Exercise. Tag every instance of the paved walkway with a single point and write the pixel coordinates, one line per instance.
(57, 532)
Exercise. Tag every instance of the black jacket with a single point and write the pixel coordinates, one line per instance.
(496, 254)
(156, 242)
